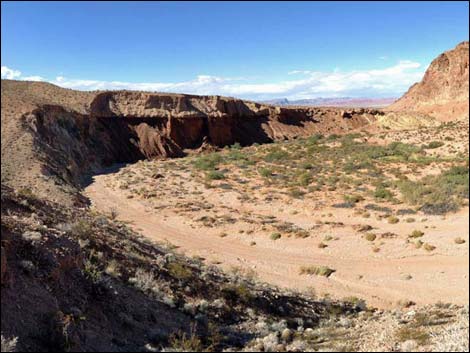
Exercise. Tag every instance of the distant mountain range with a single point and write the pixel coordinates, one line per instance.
(334, 102)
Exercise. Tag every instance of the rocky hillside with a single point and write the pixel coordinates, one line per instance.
(443, 91)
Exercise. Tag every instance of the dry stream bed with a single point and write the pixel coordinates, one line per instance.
(381, 218)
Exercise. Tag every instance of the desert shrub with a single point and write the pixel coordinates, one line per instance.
(215, 175)
(353, 198)
(405, 211)
(434, 144)
(305, 179)
(324, 271)
(438, 194)
(428, 247)
(374, 207)
(82, 228)
(354, 165)
(314, 139)
(383, 193)
(179, 271)
(416, 234)
(208, 162)
(275, 236)
(403, 150)
(411, 333)
(265, 172)
(237, 293)
(333, 137)
(296, 193)
(276, 156)
(145, 281)
(91, 271)
(112, 269)
(182, 342)
(346, 204)
(370, 236)
(26, 192)
(393, 220)
(418, 244)
(459, 240)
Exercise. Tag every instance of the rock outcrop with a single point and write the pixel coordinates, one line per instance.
(443, 91)
(187, 119)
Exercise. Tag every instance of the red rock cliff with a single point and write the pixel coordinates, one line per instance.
(443, 91)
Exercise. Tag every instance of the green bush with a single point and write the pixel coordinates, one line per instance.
(383, 193)
(434, 144)
(276, 156)
(438, 194)
(265, 172)
(215, 175)
(208, 162)
(353, 198)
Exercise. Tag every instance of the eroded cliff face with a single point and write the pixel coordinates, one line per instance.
(443, 92)
(124, 127)
(190, 120)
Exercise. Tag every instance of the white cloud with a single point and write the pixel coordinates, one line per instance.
(9, 73)
(390, 81)
(33, 78)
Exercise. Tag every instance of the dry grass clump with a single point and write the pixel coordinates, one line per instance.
(182, 342)
(370, 236)
(428, 247)
(393, 220)
(417, 334)
(324, 271)
(179, 271)
(459, 240)
(416, 234)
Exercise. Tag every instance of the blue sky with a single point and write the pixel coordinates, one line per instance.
(256, 50)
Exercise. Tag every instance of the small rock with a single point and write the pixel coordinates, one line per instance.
(344, 322)
(27, 266)
(203, 306)
(190, 308)
(309, 333)
(279, 326)
(408, 346)
(31, 236)
(270, 342)
(286, 335)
